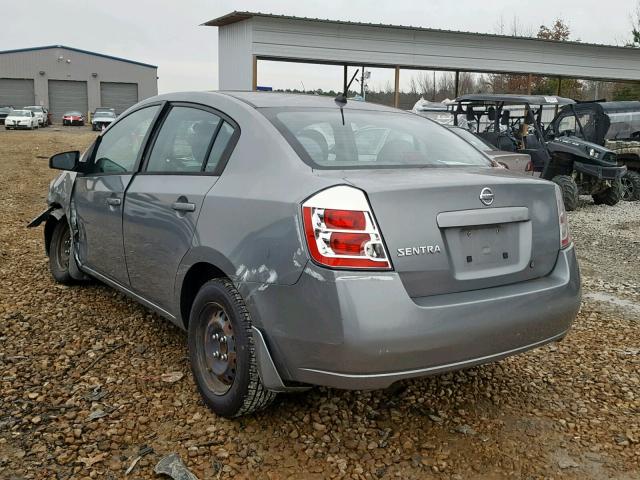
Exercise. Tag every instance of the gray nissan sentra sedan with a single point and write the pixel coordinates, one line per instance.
(300, 243)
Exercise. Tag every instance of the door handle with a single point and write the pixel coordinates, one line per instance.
(113, 201)
(184, 206)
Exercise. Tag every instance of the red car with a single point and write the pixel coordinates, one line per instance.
(73, 118)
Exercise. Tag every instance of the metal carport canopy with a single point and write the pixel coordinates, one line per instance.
(247, 36)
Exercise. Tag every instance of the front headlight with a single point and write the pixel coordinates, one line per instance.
(593, 153)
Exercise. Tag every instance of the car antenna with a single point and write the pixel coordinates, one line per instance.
(341, 98)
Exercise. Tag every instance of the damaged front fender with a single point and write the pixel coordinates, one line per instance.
(41, 218)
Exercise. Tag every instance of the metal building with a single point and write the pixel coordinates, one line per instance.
(246, 37)
(63, 78)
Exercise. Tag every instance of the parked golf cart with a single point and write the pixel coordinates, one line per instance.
(614, 125)
(516, 123)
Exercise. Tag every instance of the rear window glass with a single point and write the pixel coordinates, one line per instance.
(624, 125)
(371, 139)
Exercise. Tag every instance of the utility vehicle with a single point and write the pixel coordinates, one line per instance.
(613, 125)
(516, 123)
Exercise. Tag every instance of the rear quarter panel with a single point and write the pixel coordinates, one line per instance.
(249, 225)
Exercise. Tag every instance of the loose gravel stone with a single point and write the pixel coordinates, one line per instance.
(569, 410)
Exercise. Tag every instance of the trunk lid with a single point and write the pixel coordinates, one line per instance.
(442, 238)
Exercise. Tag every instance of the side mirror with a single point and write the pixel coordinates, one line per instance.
(65, 161)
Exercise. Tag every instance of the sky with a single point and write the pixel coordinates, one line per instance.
(168, 34)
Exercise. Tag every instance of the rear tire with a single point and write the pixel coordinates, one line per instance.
(610, 196)
(569, 191)
(631, 186)
(59, 253)
(225, 369)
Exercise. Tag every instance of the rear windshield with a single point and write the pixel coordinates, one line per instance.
(371, 139)
(624, 125)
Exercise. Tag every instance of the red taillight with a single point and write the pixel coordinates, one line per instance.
(563, 221)
(345, 238)
(348, 243)
(344, 219)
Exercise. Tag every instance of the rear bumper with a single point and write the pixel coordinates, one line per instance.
(362, 331)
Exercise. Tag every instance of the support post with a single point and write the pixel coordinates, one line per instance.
(396, 90)
(254, 80)
(344, 82)
(457, 84)
(558, 92)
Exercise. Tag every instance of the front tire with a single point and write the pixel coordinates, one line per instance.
(222, 352)
(569, 191)
(60, 252)
(610, 196)
(631, 186)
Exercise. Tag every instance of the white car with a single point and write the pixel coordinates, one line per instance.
(102, 119)
(21, 119)
(40, 114)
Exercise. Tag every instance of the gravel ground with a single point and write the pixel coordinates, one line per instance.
(82, 390)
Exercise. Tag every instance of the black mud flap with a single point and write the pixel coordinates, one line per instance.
(601, 173)
(40, 218)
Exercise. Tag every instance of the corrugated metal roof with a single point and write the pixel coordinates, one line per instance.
(49, 47)
(238, 16)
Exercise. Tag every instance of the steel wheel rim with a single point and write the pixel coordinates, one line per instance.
(64, 250)
(218, 349)
(627, 188)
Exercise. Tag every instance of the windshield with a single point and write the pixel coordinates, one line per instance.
(477, 142)
(371, 139)
(21, 113)
(73, 114)
(105, 114)
(5, 109)
(34, 109)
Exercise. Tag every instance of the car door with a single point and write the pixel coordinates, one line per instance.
(163, 202)
(99, 193)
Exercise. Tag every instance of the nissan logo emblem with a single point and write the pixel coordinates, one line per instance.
(486, 196)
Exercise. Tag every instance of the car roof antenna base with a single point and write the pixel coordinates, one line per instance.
(341, 98)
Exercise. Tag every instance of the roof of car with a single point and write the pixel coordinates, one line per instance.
(514, 98)
(278, 99)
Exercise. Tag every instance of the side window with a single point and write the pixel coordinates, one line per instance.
(183, 141)
(567, 124)
(119, 147)
(219, 146)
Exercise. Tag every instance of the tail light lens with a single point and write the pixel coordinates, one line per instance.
(565, 237)
(341, 231)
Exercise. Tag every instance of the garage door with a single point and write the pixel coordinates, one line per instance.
(67, 95)
(118, 95)
(16, 92)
